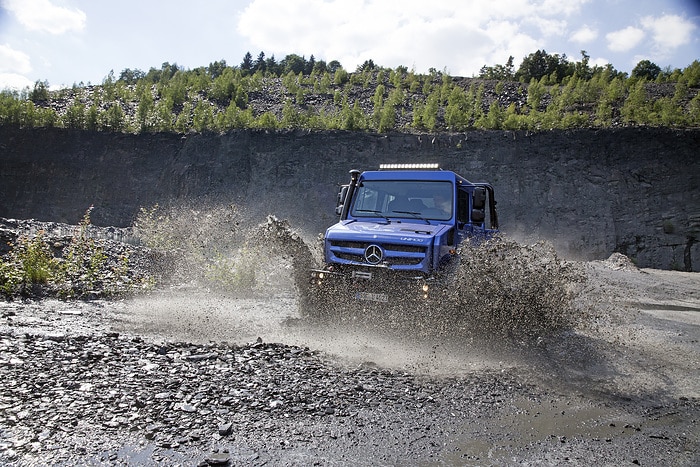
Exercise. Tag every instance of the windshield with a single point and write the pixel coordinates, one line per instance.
(404, 198)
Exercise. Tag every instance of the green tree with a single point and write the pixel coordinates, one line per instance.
(540, 64)
(352, 118)
(130, 76)
(9, 107)
(75, 116)
(216, 69)
(164, 119)
(493, 120)
(290, 115)
(581, 69)
(387, 118)
(378, 104)
(367, 65)
(272, 67)
(535, 92)
(234, 118)
(691, 74)
(456, 114)
(603, 113)
(499, 72)
(40, 93)
(294, 64)
(333, 66)
(45, 117)
(325, 83)
(667, 113)
(646, 70)
(182, 121)
(267, 120)
(309, 65)
(478, 106)
(260, 64)
(340, 77)
(175, 89)
(512, 120)
(320, 67)
(92, 118)
(144, 111)
(112, 119)
(429, 112)
(247, 64)
(417, 119)
(203, 117)
(636, 107)
(694, 110)
(109, 87)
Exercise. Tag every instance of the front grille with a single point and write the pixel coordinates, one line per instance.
(394, 254)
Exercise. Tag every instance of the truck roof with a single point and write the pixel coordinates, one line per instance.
(418, 175)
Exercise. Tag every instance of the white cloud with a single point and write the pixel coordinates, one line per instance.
(13, 61)
(559, 7)
(598, 61)
(461, 35)
(624, 39)
(14, 81)
(669, 31)
(584, 35)
(548, 27)
(42, 15)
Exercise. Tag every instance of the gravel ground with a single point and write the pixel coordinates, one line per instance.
(186, 376)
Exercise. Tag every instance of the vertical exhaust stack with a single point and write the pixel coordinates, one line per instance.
(354, 176)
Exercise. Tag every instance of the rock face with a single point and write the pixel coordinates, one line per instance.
(590, 192)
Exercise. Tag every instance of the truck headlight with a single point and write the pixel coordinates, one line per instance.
(425, 288)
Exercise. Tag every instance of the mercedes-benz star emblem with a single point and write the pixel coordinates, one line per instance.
(374, 254)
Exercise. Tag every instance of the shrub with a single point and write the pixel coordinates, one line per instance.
(83, 268)
(29, 262)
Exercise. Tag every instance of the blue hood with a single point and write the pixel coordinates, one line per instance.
(399, 232)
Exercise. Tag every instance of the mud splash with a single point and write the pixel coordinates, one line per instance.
(525, 291)
(225, 249)
(497, 288)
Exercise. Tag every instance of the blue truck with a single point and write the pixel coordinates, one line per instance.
(398, 233)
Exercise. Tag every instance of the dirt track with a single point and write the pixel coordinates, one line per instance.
(179, 377)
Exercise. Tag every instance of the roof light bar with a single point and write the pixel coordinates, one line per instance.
(433, 166)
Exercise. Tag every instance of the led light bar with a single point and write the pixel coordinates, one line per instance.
(432, 166)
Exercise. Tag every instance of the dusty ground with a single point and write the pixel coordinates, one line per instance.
(180, 377)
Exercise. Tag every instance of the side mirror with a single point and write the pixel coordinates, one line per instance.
(341, 195)
(478, 205)
(479, 198)
(340, 201)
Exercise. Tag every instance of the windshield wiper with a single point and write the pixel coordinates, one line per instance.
(417, 215)
(378, 213)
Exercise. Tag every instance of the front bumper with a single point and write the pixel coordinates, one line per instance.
(379, 285)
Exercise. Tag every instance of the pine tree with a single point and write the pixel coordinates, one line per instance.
(247, 64)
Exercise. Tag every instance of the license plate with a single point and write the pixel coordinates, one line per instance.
(372, 297)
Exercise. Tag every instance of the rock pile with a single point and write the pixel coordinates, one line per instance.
(84, 397)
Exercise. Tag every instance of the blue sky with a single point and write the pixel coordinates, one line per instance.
(73, 41)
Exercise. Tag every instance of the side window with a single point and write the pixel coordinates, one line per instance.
(462, 206)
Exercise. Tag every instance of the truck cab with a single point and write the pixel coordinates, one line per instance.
(399, 229)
